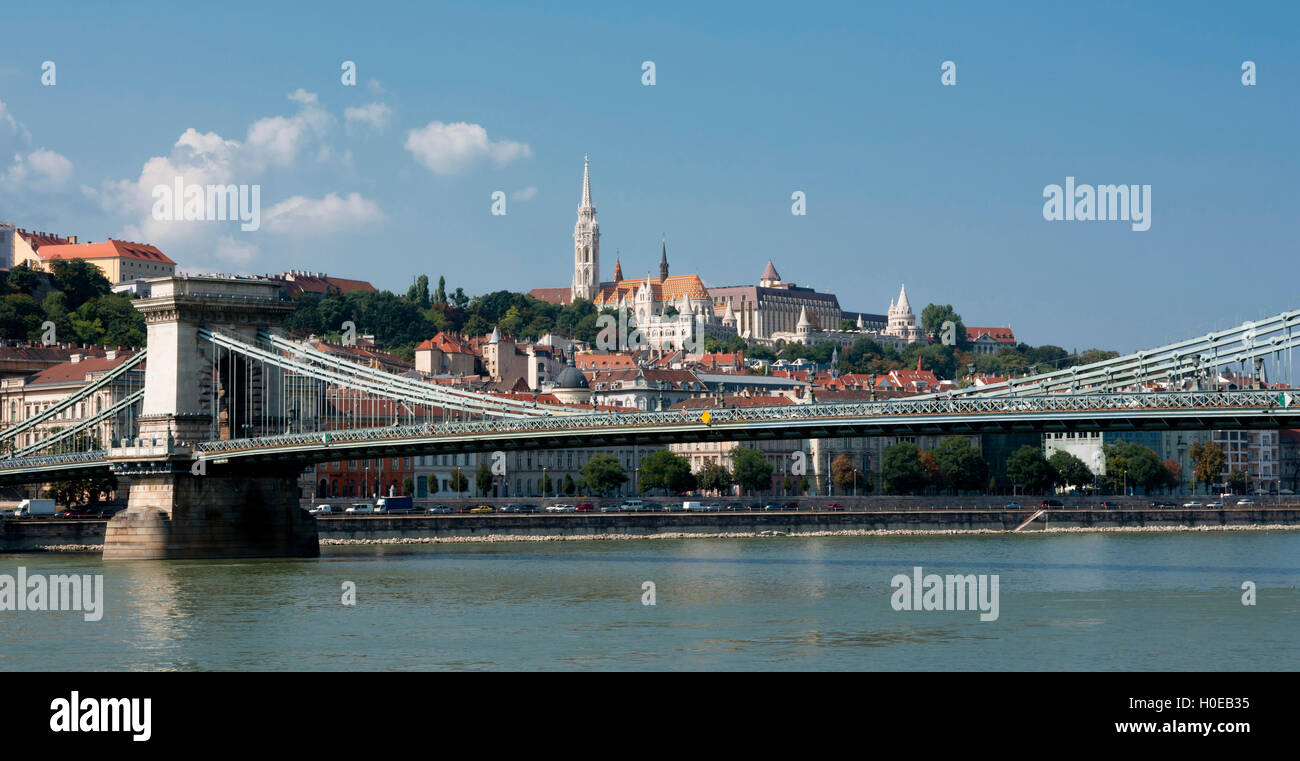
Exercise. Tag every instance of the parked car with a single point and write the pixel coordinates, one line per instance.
(1163, 504)
(360, 508)
(835, 507)
(1012, 505)
(438, 509)
(790, 506)
(1051, 503)
(652, 507)
(483, 509)
(510, 509)
(1215, 503)
(674, 507)
(771, 506)
(1193, 504)
(631, 505)
(713, 507)
(528, 508)
(734, 507)
(1108, 505)
(559, 508)
(322, 510)
(610, 508)
(584, 507)
(1246, 503)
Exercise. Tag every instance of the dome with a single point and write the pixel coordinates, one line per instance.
(571, 377)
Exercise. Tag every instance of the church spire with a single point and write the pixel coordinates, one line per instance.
(618, 268)
(663, 258)
(586, 182)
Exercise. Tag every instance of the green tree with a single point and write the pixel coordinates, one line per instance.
(901, 468)
(1238, 481)
(1030, 469)
(844, 474)
(457, 480)
(546, 484)
(568, 485)
(715, 477)
(1072, 470)
(751, 469)
(934, 316)
(664, 470)
(603, 473)
(483, 479)
(961, 466)
(1131, 464)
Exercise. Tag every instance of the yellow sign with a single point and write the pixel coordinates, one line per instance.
(706, 417)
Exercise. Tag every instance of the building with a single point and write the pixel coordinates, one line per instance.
(446, 354)
(317, 284)
(990, 340)
(902, 323)
(774, 306)
(119, 260)
(24, 397)
(18, 245)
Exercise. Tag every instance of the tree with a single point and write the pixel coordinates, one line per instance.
(408, 485)
(457, 481)
(1134, 464)
(1238, 481)
(930, 469)
(664, 470)
(901, 468)
(78, 491)
(1208, 461)
(715, 477)
(483, 479)
(751, 469)
(934, 316)
(603, 473)
(961, 466)
(546, 484)
(844, 475)
(568, 486)
(1028, 467)
(1173, 474)
(1072, 470)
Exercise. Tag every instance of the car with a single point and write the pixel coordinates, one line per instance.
(559, 508)
(611, 508)
(631, 505)
(790, 506)
(674, 507)
(1108, 505)
(1246, 503)
(771, 506)
(322, 510)
(835, 507)
(1193, 504)
(1163, 504)
(1051, 503)
(510, 509)
(584, 507)
(735, 506)
(755, 506)
(713, 507)
(528, 508)
(360, 508)
(652, 507)
(1012, 505)
(1215, 503)
(483, 509)
(438, 509)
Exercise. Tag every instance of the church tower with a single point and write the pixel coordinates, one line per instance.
(586, 243)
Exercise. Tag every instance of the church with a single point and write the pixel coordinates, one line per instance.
(670, 311)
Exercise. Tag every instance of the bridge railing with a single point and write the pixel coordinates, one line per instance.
(896, 408)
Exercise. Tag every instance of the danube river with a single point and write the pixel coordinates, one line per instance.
(1089, 601)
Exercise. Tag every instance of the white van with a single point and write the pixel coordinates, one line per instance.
(693, 507)
(360, 508)
(631, 505)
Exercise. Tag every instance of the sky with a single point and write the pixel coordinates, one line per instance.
(906, 180)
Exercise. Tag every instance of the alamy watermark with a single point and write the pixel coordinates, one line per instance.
(57, 592)
(1104, 203)
(179, 202)
(922, 591)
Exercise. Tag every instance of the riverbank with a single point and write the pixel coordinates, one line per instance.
(88, 536)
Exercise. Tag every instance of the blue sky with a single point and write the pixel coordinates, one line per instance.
(906, 180)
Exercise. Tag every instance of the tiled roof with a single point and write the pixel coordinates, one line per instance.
(322, 284)
(447, 343)
(109, 249)
(552, 295)
(603, 361)
(1001, 335)
(75, 372)
(672, 288)
(36, 240)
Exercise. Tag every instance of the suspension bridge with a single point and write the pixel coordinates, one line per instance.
(211, 424)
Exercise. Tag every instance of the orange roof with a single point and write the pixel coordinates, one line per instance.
(36, 240)
(588, 361)
(1001, 335)
(669, 289)
(447, 342)
(552, 295)
(109, 249)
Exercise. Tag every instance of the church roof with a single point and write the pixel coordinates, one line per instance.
(672, 288)
(770, 272)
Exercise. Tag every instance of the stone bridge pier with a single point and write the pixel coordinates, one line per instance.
(193, 392)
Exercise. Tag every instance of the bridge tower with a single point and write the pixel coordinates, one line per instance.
(179, 506)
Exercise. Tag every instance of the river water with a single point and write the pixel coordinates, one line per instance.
(1089, 601)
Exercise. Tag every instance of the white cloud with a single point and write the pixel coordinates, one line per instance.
(279, 139)
(230, 250)
(451, 148)
(10, 126)
(527, 194)
(40, 170)
(374, 115)
(300, 215)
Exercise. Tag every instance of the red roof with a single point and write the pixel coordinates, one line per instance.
(552, 295)
(603, 361)
(1001, 335)
(76, 372)
(36, 240)
(321, 285)
(109, 249)
(447, 343)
